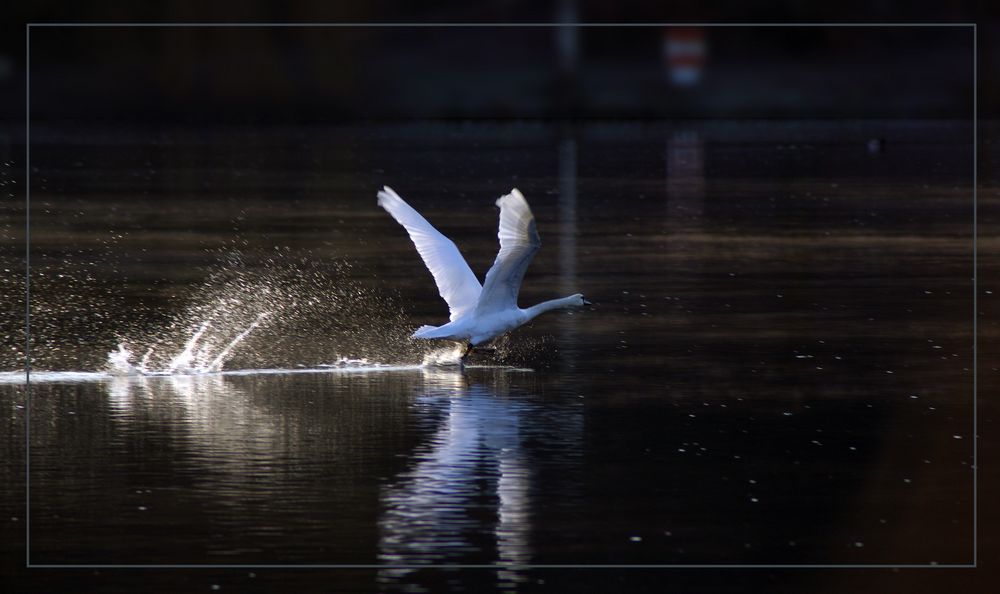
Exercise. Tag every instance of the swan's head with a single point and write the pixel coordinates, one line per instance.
(579, 300)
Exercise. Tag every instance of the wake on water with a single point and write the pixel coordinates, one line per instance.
(194, 359)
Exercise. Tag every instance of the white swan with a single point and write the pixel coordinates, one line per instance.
(479, 313)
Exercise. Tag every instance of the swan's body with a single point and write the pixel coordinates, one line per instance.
(479, 313)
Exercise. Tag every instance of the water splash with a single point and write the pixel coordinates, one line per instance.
(189, 361)
(119, 362)
(277, 311)
(450, 355)
(219, 359)
(184, 359)
(283, 312)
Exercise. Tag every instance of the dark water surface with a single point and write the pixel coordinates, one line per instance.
(777, 367)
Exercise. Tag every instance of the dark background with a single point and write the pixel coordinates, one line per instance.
(251, 77)
(331, 75)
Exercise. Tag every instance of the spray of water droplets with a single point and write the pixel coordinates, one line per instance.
(280, 313)
(250, 312)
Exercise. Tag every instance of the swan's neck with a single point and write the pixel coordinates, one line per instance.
(551, 304)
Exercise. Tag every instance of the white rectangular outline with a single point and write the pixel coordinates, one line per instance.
(975, 295)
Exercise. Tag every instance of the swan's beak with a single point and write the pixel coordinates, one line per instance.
(585, 302)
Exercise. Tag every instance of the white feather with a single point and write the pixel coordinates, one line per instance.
(478, 313)
(518, 243)
(455, 281)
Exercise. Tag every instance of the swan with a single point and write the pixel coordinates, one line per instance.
(478, 313)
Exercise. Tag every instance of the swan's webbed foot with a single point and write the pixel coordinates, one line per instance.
(465, 354)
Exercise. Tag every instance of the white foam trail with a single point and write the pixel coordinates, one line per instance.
(199, 358)
(75, 377)
(41, 377)
(44, 377)
(347, 362)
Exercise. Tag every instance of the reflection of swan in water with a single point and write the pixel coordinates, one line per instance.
(471, 474)
(466, 495)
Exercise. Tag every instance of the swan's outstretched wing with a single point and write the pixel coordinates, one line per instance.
(518, 243)
(455, 281)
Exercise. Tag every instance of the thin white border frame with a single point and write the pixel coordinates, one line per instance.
(497, 566)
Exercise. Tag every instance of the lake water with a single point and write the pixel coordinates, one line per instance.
(777, 368)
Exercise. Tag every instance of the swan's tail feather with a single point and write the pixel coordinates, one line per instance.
(432, 332)
(422, 330)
